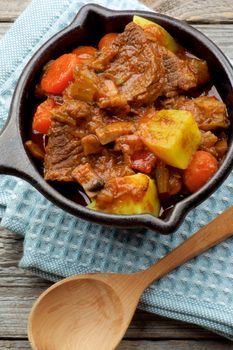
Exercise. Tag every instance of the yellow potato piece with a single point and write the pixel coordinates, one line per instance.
(133, 194)
(167, 40)
(172, 135)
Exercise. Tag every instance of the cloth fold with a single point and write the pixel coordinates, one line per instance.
(57, 244)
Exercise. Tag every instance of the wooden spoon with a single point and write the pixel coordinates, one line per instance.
(93, 311)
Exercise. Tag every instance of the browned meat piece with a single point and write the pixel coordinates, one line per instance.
(107, 88)
(118, 104)
(91, 144)
(104, 57)
(63, 153)
(208, 141)
(221, 146)
(129, 144)
(178, 76)
(76, 109)
(71, 111)
(109, 165)
(112, 131)
(213, 144)
(208, 111)
(85, 175)
(137, 67)
(199, 69)
(214, 112)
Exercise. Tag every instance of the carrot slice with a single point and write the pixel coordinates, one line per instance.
(42, 117)
(59, 73)
(85, 51)
(201, 168)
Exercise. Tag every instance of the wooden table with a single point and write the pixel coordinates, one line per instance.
(19, 289)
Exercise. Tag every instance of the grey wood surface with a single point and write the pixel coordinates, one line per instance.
(140, 345)
(19, 289)
(199, 11)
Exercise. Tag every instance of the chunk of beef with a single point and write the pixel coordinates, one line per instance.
(216, 145)
(221, 146)
(129, 144)
(208, 141)
(72, 112)
(109, 164)
(117, 104)
(85, 175)
(76, 109)
(104, 57)
(199, 69)
(136, 67)
(182, 74)
(212, 113)
(91, 144)
(63, 152)
(208, 111)
(178, 76)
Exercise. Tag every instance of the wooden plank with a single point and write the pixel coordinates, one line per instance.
(174, 344)
(209, 11)
(15, 305)
(14, 344)
(19, 289)
(149, 326)
(221, 35)
(198, 11)
(11, 9)
(140, 345)
(11, 247)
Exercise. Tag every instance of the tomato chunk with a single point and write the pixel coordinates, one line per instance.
(143, 161)
(59, 73)
(42, 117)
(201, 168)
(107, 39)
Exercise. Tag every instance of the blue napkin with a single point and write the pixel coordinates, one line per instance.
(57, 244)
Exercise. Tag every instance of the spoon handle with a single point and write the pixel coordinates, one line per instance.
(208, 236)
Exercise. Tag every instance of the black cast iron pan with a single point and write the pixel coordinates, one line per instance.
(90, 24)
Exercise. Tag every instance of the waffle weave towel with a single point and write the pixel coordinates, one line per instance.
(57, 244)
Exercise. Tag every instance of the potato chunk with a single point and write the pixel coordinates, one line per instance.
(134, 194)
(172, 135)
(155, 31)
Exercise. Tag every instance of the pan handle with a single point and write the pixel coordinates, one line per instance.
(13, 157)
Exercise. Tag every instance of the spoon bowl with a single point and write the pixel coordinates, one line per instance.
(82, 312)
(93, 311)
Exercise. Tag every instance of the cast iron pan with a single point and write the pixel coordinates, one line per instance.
(90, 24)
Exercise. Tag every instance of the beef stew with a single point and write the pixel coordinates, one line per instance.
(130, 122)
